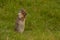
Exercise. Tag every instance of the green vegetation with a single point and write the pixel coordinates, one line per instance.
(42, 21)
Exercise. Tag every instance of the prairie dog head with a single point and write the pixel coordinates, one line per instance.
(22, 14)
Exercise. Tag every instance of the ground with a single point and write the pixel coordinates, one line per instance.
(42, 20)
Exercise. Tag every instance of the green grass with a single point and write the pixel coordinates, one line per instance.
(42, 21)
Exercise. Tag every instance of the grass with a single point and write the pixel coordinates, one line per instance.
(42, 21)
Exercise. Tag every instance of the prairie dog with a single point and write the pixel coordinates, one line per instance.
(20, 22)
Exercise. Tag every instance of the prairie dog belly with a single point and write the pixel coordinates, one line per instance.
(20, 26)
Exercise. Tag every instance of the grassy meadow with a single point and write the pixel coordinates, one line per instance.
(42, 21)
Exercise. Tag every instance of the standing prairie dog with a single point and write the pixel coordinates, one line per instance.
(20, 22)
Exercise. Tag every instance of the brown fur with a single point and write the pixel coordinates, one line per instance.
(20, 22)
